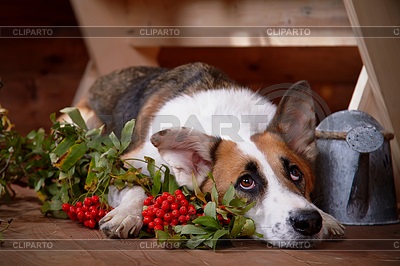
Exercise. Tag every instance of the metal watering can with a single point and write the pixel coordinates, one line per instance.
(354, 170)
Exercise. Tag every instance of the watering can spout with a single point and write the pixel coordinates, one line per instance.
(363, 139)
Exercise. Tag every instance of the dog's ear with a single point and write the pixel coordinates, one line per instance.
(186, 151)
(295, 120)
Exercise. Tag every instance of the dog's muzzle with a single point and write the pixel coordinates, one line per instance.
(306, 222)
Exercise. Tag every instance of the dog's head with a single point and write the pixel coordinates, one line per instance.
(274, 168)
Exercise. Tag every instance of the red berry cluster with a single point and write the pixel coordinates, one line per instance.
(89, 212)
(167, 209)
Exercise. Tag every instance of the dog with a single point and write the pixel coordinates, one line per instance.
(196, 120)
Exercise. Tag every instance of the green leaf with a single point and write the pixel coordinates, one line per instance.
(169, 184)
(115, 140)
(53, 118)
(156, 183)
(45, 207)
(161, 236)
(208, 222)
(194, 242)
(229, 195)
(94, 133)
(238, 225)
(126, 134)
(238, 202)
(39, 184)
(64, 193)
(248, 207)
(64, 145)
(59, 214)
(55, 205)
(211, 209)
(150, 165)
(75, 116)
(249, 228)
(214, 194)
(53, 189)
(197, 191)
(165, 184)
(217, 235)
(91, 178)
(69, 159)
(119, 184)
(220, 233)
(110, 153)
(191, 229)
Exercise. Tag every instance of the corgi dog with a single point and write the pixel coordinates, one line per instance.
(196, 120)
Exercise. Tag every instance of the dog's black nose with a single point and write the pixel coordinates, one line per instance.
(306, 222)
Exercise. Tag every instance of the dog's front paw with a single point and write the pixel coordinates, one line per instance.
(331, 226)
(121, 223)
(126, 219)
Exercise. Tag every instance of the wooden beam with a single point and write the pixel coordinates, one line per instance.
(110, 53)
(228, 13)
(381, 58)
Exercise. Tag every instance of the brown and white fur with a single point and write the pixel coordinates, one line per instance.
(196, 120)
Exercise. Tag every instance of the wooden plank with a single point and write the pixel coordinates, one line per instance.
(381, 58)
(266, 13)
(110, 53)
(229, 13)
(76, 246)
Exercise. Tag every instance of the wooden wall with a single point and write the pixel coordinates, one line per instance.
(41, 75)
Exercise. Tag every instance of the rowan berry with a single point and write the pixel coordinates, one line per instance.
(165, 206)
(165, 195)
(145, 213)
(101, 213)
(148, 201)
(191, 211)
(158, 221)
(147, 219)
(159, 200)
(81, 216)
(183, 210)
(180, 197)
(72, 209)
(182, 219)
(95, 199)
(175, 213)
(171, 199)
(151, 225)
(168, 217)
(87, 202)
(65, 207)
(184, 202)
(158, 227)
(160, 213)
(174, 206)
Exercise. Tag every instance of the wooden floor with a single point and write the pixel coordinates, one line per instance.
(33, 239)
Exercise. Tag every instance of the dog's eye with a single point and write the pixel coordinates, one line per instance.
(246, 182)
(295, 173)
